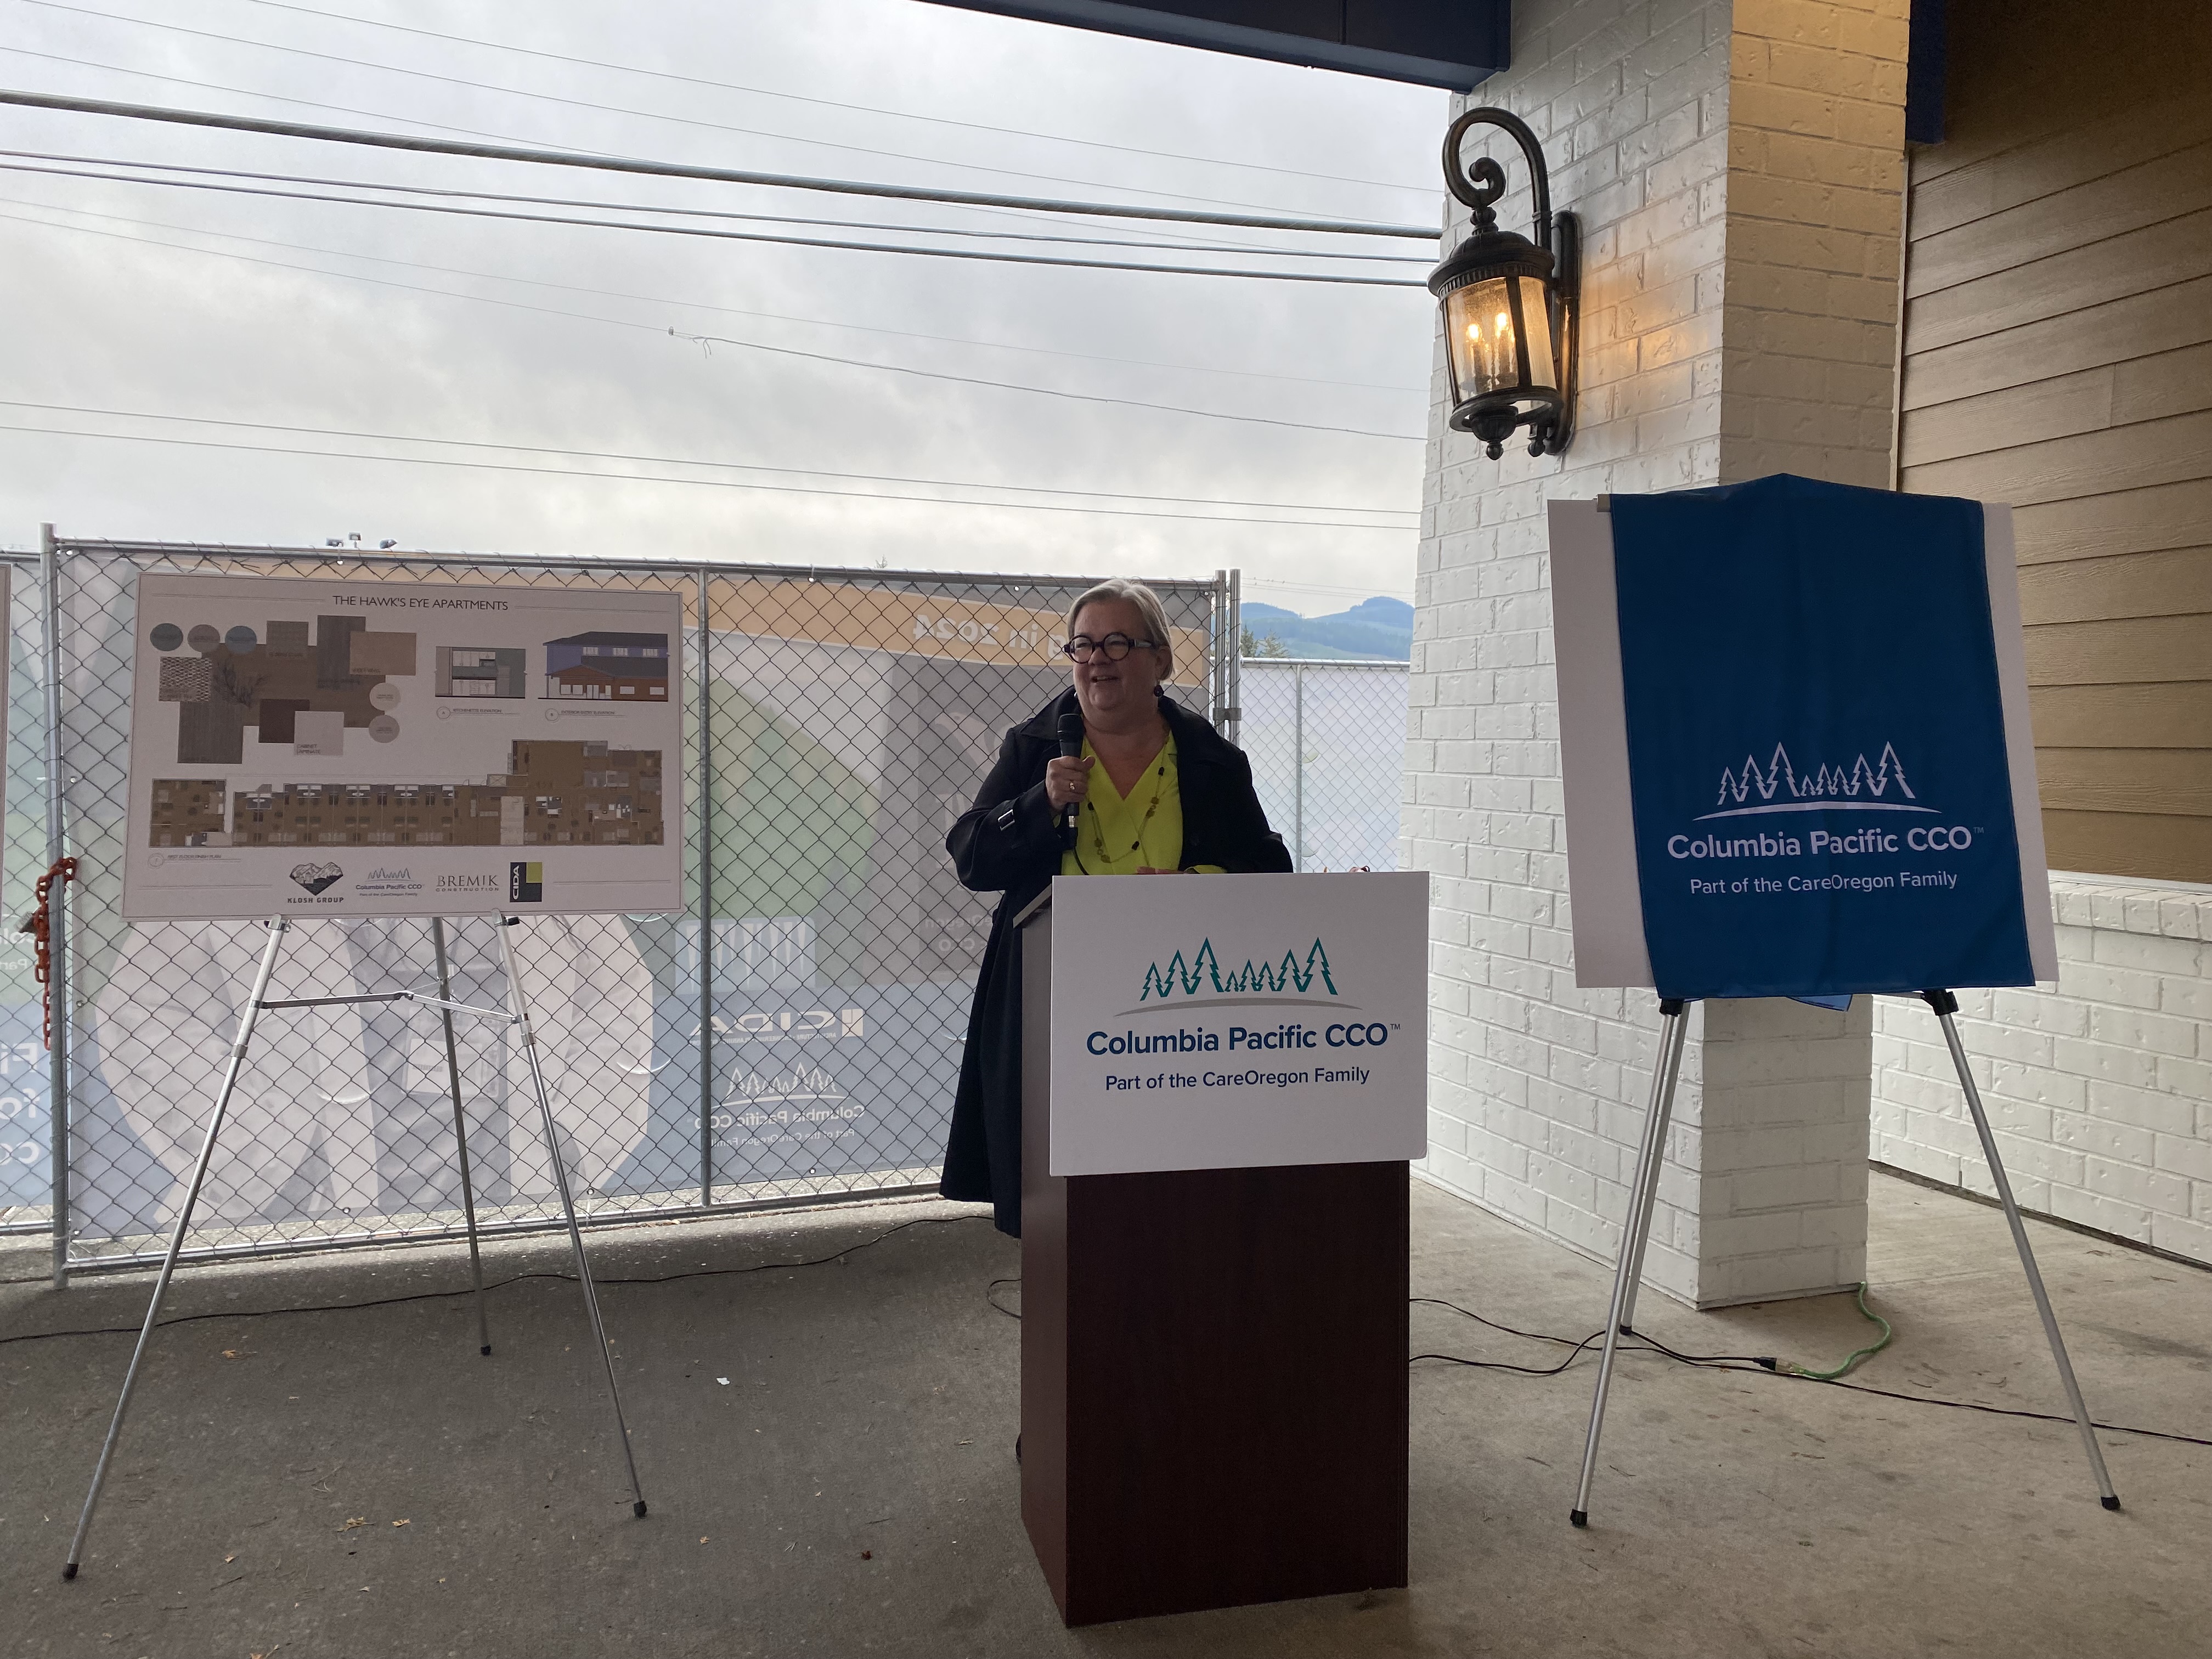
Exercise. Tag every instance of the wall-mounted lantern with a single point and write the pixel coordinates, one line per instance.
(1510, 304)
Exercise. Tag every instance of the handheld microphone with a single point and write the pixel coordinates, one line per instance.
(1070, 745)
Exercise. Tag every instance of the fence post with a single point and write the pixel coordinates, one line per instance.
(705, 798)
(1232, 714)
(1298, 795)
(56, 905)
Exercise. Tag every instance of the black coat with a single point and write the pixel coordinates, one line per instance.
(1008, 841)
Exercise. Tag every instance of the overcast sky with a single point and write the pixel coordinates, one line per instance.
(132, 298)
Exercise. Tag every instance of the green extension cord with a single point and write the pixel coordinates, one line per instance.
(1863, 1353)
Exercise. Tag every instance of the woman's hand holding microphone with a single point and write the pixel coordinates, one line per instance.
(1068, 781)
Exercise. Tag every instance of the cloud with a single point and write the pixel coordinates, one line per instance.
(119, 320)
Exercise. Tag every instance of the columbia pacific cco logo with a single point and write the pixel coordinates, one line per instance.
(1204, 972)
(1778, 786)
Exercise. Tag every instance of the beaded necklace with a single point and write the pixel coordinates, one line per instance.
(1159, 770)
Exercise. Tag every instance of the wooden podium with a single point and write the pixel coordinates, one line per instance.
(1213, 1368)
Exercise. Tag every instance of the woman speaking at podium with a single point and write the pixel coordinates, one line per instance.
(1109, 778)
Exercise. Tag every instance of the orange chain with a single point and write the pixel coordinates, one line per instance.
(40, 925)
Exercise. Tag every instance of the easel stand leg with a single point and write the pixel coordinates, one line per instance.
(177, 1237)
(1946, 1005)
(567, 1202)
(1635, 1229)
(460, 1129)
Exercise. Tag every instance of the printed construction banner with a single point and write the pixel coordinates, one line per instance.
(1794, 725)
(312, 749)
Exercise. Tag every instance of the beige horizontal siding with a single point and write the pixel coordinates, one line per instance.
(2058, 355)
(2157, 716)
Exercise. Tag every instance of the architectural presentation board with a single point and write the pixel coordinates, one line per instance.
(1794, 733)
(309, 748)
(1232, 1022)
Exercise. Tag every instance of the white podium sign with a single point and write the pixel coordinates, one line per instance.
(1226, 1022)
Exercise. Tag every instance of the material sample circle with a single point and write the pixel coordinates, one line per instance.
(166, 636)
(384, 695)
(383, 728)
(242, 638)
(204, 638)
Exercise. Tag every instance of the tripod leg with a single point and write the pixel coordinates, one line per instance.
(177, 1240)
(1648, 1159)
(1679, 1034)
(460, 1129)
(568, 1201)
(1945, 1005)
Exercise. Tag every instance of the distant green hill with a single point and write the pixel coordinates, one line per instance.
(1373, 628)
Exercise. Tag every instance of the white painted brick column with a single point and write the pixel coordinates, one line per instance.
(1738, 315)
(2099, 1090)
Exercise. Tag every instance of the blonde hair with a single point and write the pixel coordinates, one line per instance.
(1147, 604)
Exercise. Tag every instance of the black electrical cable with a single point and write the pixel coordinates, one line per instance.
(516, 1279)
(601, 156)
(701, 484)
(749, 345)
(539, 155)
(355, 62)
(832, 103)
(297, 431)
(620, 294)
(1753, 1364)
(1184, 246)
(709, 232)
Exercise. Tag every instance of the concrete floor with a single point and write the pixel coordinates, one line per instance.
(850, 1487)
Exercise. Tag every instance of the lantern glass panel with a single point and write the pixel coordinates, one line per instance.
(1479, 334)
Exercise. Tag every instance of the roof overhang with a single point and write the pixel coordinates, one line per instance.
(1452, 44)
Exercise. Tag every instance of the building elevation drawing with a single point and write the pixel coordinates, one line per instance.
(604, 667)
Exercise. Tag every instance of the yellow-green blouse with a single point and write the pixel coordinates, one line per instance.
(1118, 836)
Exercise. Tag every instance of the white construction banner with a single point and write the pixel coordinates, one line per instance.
(1231, 1022)
(308, 749)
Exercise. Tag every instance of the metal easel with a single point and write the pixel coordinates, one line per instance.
(1636, 1232)
(516, 1014)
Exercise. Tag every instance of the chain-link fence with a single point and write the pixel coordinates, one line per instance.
(1328, 744)
(795, 1035)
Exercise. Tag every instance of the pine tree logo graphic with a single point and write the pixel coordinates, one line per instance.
(1781, 787)
(1203, 972)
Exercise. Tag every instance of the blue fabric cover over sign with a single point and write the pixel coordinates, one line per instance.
(1816, 742)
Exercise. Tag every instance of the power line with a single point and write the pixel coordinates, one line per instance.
(750, 345)
(575, 103)
(644, 299)
(708, 483)
(1180, 246)
(682, 460)
(735, 235)
(825, 103)
(681, 170)
(410, 120)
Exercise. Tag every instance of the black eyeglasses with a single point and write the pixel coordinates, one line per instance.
(1113, 647)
